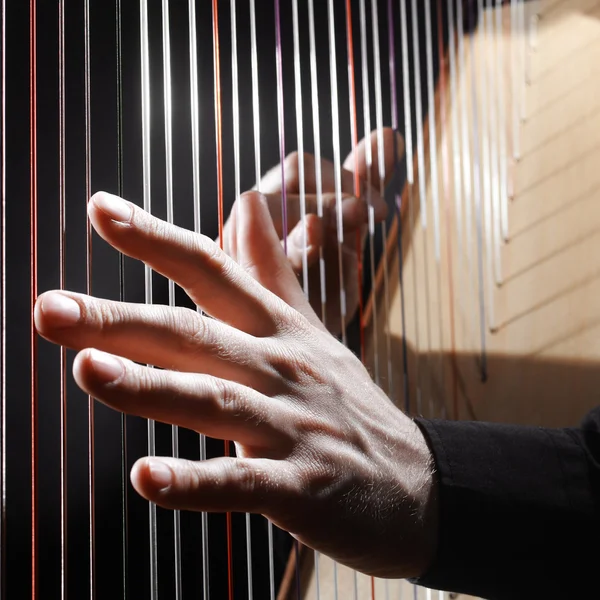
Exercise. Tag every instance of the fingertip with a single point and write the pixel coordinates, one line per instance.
(152, 477)
(94, 370)
(107, 208)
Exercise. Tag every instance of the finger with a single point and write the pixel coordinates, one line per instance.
(168, 337)
(272, 182)
(393, 151)
(216, 407)
(303, 243)
(208, 275)
(218, 485)
(354, 211)
(260, 253)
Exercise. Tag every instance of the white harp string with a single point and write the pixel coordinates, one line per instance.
(88, 193)
(368, 164)
(195, 126)
(300, 142)
(316, 119)
(421, 172)
(235, 114)
(147, 202)
(410, 180)
(337, 160)
(472, 195)
(435, 186)
(168, 110)
(490, 67)
(502, 119)
(314, 85)
(62, 249)
(482, 82)
(381, 167)
(258, 177)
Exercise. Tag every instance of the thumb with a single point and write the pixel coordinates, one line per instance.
(260, 254)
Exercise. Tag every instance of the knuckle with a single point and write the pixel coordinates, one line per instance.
(247, 479)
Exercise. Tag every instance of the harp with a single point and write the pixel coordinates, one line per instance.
(478, 290)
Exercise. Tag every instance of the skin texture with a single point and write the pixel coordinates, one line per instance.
(320, 449)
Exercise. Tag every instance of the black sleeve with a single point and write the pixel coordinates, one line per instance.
(518, 509)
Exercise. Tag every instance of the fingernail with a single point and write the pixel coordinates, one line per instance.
(107, 368)
(161, 474)
(117, 209)
(62, 310)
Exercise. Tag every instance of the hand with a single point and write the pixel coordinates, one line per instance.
(321, 451)
(323, 233)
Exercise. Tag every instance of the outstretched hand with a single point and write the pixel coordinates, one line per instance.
(315, 233)
(321, 451)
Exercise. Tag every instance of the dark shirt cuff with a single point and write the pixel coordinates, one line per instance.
(517, 509)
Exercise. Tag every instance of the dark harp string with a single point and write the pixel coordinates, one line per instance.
(3, 320)
(219, 149)
(398, 199)
(62, 277)
(447, 203)
(88, 233)
(120, 192)
(33, 271)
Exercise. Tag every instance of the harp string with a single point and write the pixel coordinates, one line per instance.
(33, 256)
(300, 142)
(219, 148)
(237, 193)
(88, 233)
(195, 136)
(502, 122)
(472, 183)
(3, 309)
(3, 315)
(168, 127)
(120, 192)
(422, 186)
(314, 85)
(487, 26)
(410, 179)
(337, 160)
(258, 176)
(382, 175)
(148, 291)
(62, 285)
(481, 81)
(368, 164)
(435, 193)
(398, 198)
(357, 185)
(281, 121)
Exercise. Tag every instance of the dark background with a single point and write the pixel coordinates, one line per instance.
(104, 157)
